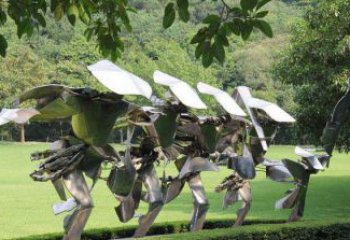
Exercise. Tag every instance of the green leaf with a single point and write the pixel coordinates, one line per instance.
(71, 19)
(261, 3)
(3, 46)
(213, 29)
(236, 26)
(53, 5)
(2, 17)
(248, 4)
(207, 56)
(73, 14)
(184, 14)
(88, 33)
(115, 54)
(59, 12)
(201, 48)
(261, 14)
(212, 18)
(207, 59)
(40, 19)
(221, 37)
(22, 28)
(182, 4)
(246, 30)
(219, 52)
(200, 35)
(169, 15)
(43, 6)
(264, 27)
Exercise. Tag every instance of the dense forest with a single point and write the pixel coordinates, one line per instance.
(60, 54)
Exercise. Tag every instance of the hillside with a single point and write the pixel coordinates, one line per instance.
(60, 54)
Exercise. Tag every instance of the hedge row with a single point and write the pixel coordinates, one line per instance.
(253, 230)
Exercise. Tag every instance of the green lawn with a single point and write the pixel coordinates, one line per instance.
(25, 206)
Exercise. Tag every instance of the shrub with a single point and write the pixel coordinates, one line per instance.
(253, 230)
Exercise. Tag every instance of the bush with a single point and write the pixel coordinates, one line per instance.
(253, 230)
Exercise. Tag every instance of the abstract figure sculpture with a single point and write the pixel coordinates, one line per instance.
(93, 115)
(166, 131)
(183, 149)
(311, 163)
(245, 146)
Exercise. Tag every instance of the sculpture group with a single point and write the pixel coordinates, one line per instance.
(167, 130)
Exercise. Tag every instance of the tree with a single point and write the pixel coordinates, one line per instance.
(317, 64)
(106, 21)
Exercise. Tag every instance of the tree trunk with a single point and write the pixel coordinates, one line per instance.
(23, 137)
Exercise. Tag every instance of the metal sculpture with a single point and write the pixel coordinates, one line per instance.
(151, 134)
(167, 131)
(245, 145)
(169, 126)
(310, 162)
(93, 115)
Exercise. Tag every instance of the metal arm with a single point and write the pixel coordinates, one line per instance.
(337, 120)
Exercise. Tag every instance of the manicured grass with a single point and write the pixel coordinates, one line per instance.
(25, 206)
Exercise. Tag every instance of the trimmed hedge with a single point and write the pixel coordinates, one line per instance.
(221, 229)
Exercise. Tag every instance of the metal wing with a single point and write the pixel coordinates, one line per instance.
(119, 80)
(271, 109)
(182, 90)
(289, 200)
(310, 157)
(297, 170)
(19, 116)
(224, 99)
(276, 171)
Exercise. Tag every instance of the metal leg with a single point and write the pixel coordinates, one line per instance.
(245, 194)
(74, 224)
(173, 189)
(155, 199)
(201, 203)
(298, 210)
(128, 205)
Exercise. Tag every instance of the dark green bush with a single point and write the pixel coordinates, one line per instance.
(253, 230)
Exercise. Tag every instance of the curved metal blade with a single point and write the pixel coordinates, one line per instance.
(223, 98)
(197, 164)
(119, 80)
(182, 90)
(311, 158)
(19, 116)
(271, 109)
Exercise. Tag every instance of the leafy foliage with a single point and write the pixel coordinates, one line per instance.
(214, 230)
(62, 52)
(106, 21)
(317, 64)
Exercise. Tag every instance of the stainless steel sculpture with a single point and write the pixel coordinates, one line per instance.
(186, 148)
(93, 115)
(310, 163)
(168, 131)
(244, 144)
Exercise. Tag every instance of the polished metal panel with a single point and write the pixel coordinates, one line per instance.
(197, 164)
(223, 98)
(75, 223)
(126, 210)
(19, 116)
(182, 90)
(155, 199)
(246, 196)
(119, 80)
(173, 189)
(201, 203)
